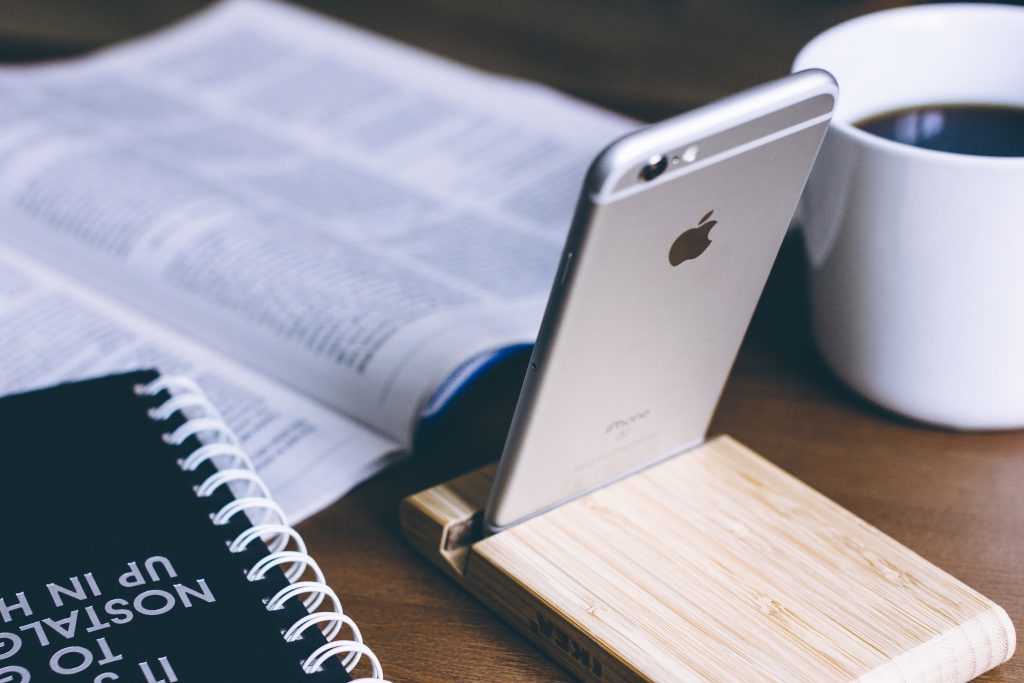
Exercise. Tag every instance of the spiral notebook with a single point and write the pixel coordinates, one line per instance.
(141, 546)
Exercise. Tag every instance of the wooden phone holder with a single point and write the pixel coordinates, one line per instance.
(714, 565)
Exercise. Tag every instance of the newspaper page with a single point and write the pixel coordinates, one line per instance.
(51, 330)
(349, 215)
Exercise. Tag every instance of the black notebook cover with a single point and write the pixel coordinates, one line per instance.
(88, 487)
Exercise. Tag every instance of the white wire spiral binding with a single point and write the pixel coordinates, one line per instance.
(220, 446)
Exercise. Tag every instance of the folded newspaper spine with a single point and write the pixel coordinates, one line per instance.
(287, 550)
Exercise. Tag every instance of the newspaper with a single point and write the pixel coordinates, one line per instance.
(321, 224)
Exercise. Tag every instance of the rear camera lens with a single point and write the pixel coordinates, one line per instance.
(654, 167)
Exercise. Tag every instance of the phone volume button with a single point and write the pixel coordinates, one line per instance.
(565, 267)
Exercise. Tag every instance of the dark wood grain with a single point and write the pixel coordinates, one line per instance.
(955, 498)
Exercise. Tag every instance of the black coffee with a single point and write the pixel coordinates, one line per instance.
(984, 130)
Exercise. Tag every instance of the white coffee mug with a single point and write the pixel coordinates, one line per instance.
(916, 257)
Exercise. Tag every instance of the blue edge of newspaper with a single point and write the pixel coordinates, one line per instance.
(463, 376)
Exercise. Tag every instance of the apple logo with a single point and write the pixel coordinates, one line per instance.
(693, 242)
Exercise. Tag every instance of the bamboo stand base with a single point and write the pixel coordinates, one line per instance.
(714, 565)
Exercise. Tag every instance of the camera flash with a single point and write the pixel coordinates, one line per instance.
(690, 153)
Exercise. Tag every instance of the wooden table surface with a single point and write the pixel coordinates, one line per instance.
(957, 499)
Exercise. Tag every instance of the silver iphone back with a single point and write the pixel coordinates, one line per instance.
(674, 236)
